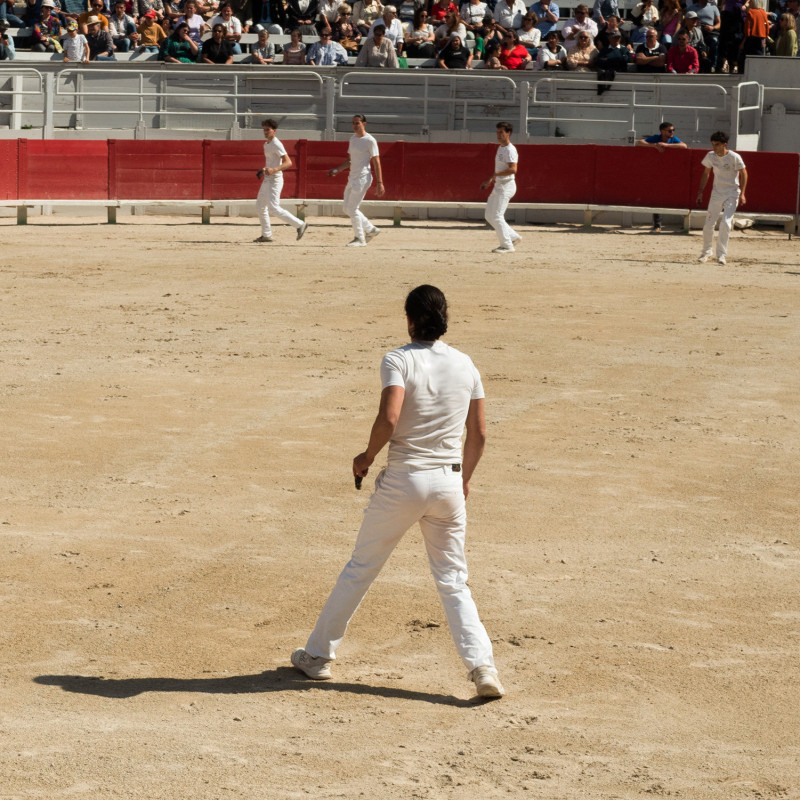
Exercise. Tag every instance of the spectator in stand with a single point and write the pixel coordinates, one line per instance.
(7, 15)
(47, 31)
(602, 40)
(392, 26)
(602, 10)
(671, 21)
(196, 24)
(489, 35)
(301, 14)
(472, 14)
(547, 13)
(179, 47)
(756, 30)
(455, 55)
(328, 13)
(295, 51)
(326, 52)
(512, 54)
(452, 26)
(439, 9)
(151, 34)
(122, 29)
(172, 10)
(583, 56)
(365, 13)
(75, 46)
(665, 139)
(406, 9)
(491, 58)
(645, 13)
(652, 55)
(156, 6)
(614, 57)
(269, 14)
(377, 51)
(217, 49)
(580, 22)
(508, 14)
(529, 35)
(552, 55)
(101, 46)
(696, 40)
(345, 31)
(420, 37)
(8, 51)
(95, 10)
(786, 43)
(709, 22)
(232, 26)
(731, 14)
(263, 51)
(682, 57)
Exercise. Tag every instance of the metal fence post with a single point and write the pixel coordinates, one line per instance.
(330, 108)
(524, 98)
(49, 102)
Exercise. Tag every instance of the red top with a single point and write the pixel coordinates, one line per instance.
(438, 11)
(683, 63)
(514, 59)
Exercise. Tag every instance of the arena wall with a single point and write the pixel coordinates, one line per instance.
(413, 171)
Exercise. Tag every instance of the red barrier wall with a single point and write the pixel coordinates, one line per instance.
(61, 170)
(8, 169)
(162, 170)
(221, 170)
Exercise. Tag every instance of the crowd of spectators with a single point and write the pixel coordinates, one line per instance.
(658, 36)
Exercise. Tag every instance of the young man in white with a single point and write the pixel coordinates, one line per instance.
(730, 182)
(362, 157)
(269, 195)
(431, 392)
(505, 187)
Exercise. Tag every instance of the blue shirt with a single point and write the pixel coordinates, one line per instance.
(325, 55)
(545, 27)
(657, 138)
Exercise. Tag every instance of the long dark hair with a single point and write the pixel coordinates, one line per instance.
(426, 307)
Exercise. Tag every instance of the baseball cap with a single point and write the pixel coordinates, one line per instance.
(691, 15)
(151, 14)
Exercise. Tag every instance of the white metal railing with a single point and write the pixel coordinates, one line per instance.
(632, 104)
(234, 90)
(350, 80)
(16, 77)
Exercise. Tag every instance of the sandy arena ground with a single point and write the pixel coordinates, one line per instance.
(180, 408)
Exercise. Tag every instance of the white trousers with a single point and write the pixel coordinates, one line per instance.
(354, 193)
(435, 499)
(496, 211)
(724, 204)
(269, 200)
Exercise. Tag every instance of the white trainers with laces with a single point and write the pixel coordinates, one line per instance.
(721, 260)
(263, 239)
(370, 235)
(357, 243)
(318, 669)
(703, 258)
(503, 249)
(301, 230)
(486, 682)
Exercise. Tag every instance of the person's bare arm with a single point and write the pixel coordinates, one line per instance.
(337, 170)
(703, 182)
(475, 441)
(743, 184)
(286, 163)
(382, 429)
(376, 165)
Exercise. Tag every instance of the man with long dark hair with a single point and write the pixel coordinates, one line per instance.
(431, 391)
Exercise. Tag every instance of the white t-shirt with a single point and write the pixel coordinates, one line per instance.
(74, 48)
(232, 25)
(273, 153)
(439, 382)
(726, 171)
(505, 156)
(473, 13)
(361, 150)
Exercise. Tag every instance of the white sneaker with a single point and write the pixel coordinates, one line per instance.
(503, 249)
(370, 235)
(721, 260)
(357, 243)
(703, 258)
(318, 669)
(263, 239)
(301, 230)
(486, 682)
